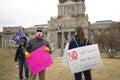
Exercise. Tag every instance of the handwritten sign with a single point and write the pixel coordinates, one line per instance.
(84, 58)
(39, 60)
(65, 58)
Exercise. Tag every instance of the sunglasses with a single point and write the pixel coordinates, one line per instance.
(39, 30)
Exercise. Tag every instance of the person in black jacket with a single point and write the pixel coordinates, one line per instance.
(79, 40)
(19, 57)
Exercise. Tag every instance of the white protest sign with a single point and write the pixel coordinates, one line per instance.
(65, 58)
(84, 58)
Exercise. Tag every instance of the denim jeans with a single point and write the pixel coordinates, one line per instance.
(22, 62)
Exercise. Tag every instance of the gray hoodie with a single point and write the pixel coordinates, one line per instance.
(36, 43)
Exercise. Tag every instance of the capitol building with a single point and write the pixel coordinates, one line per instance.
(60, 29)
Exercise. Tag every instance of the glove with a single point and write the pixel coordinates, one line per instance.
(46, 49)
(27, 54)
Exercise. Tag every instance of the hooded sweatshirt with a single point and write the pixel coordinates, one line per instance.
(36, 43)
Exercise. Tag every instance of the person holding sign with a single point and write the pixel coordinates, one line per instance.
(35, 44)
(79, 40)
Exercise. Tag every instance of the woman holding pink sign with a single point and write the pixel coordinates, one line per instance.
(79, 40)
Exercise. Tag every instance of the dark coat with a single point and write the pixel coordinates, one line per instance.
(19, 53)
(73, 44)
(36, 43)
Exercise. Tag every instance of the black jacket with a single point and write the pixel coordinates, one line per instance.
(19, 53)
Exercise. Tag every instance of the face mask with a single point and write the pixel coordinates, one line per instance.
(39, 34)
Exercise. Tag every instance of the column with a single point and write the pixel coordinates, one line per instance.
(69, 35)
(62, 46)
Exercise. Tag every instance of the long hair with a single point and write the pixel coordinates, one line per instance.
(24, 39)
(81, 37)
(23, 45)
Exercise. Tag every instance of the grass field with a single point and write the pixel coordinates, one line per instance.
(8, 70)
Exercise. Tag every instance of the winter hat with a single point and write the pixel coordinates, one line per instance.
(78, 28)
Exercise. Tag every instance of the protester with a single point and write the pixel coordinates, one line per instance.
(19, 57)
(34, 44)
(79, 40)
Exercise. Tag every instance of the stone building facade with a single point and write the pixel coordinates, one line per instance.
(62, 28)
(98, 28)
(8, 33)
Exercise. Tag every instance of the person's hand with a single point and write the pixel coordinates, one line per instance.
(27, 54)
(46, 49)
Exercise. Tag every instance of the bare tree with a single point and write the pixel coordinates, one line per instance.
(109, 40)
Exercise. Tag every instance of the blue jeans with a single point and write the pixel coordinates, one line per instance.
(87, 74)
(22, 62)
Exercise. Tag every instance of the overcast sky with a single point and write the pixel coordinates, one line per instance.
(28, 13)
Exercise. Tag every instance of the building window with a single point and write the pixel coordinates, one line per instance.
(66, 11)
(69, 10)
(66, 36)
(99, 30)
(92, 30)
(107, 29)
(91, 36)
(52, 37)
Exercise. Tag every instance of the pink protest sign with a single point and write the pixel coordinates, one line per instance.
(39, 60)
